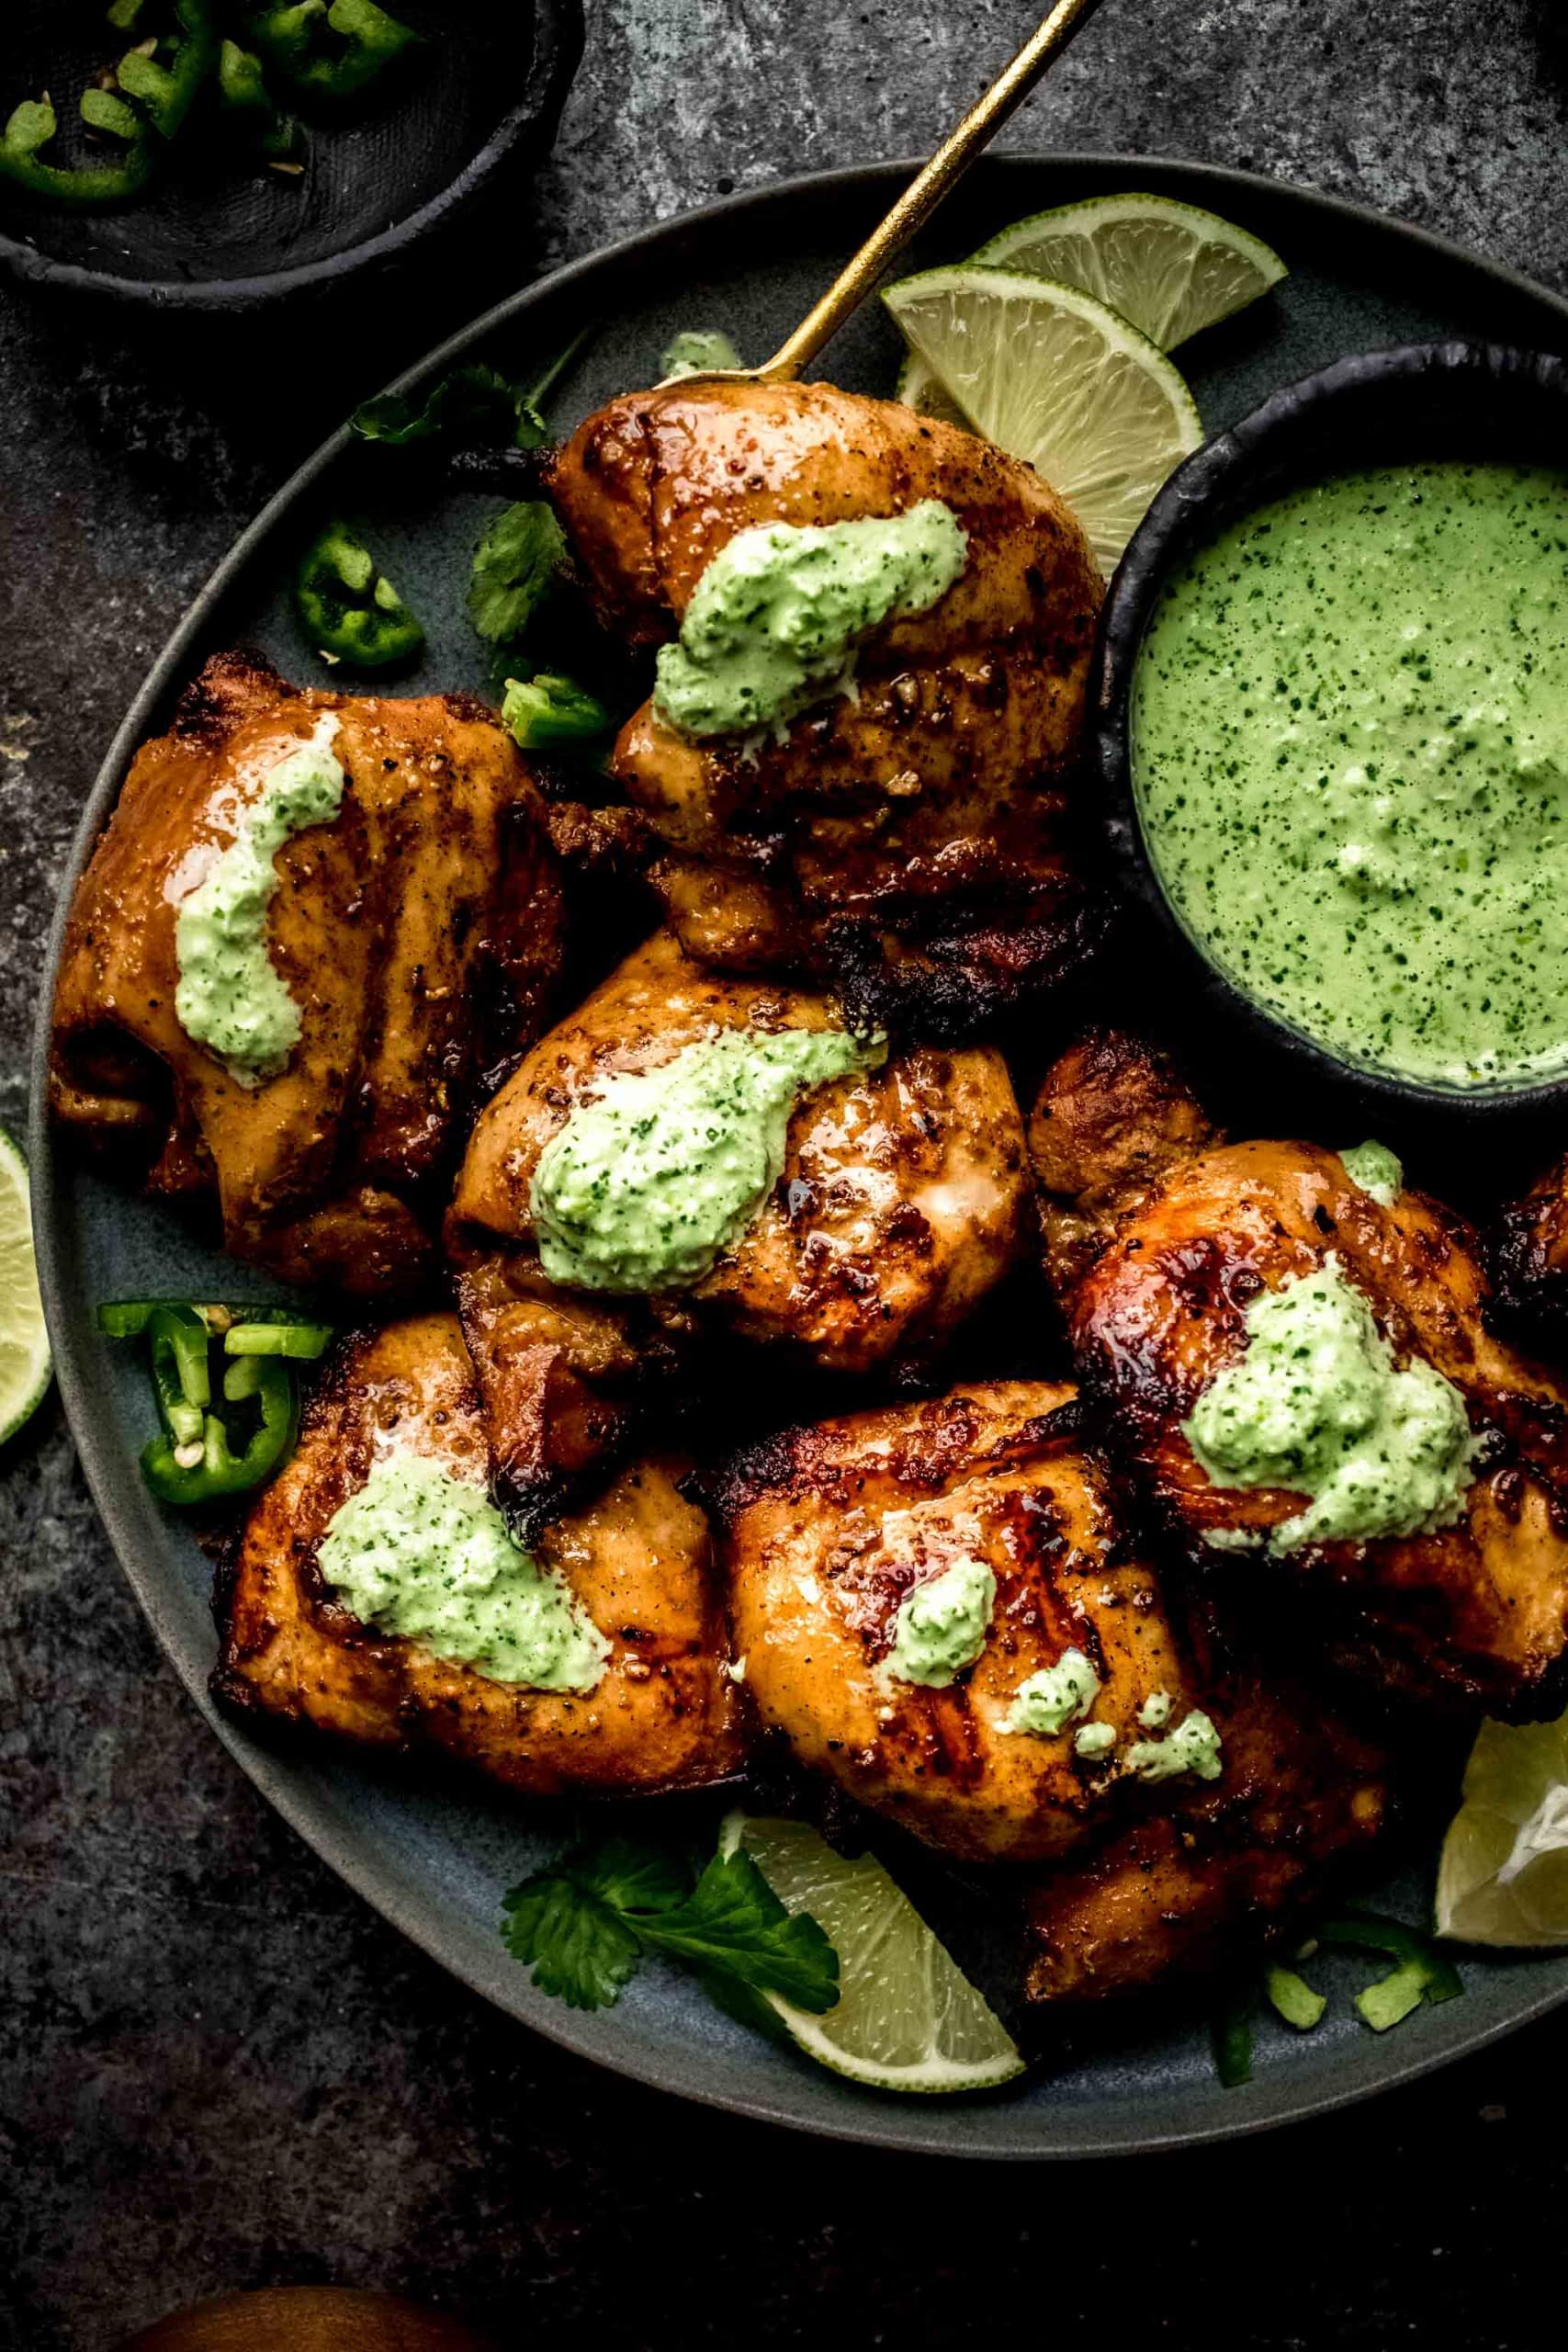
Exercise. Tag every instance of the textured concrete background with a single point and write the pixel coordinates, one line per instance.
(217, 2069)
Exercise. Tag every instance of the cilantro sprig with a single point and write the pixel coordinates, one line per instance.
(516, 561)
(476, 405)
(584, 1924)
(472, 404)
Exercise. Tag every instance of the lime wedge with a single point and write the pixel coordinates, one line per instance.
(1169, 269)
(24, 1343)
(906, 2017)
(1053, 376)
(1504, 1875)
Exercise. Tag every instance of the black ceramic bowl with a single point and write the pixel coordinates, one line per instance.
(474, 104)
(1422, 401)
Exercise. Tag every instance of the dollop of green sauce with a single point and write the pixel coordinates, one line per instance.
(1094, 1740)
(229, 998)
(425, 1556)
(1349, 739)
(941, 1626)
(776, 616)
(1375, 1171)
(1046, 1703)
(651, 1180)
(698, 351)
(1194, 1746)
(1317, 1406)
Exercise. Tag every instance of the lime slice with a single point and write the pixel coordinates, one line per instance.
(1051, 375)
(1504, 1875)
(24, 1343)
(906, 2017)
(1169, 269)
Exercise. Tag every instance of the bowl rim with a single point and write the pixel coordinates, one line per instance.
(559, 34)
(1262, 452)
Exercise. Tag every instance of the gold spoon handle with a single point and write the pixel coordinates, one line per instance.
(926, 191)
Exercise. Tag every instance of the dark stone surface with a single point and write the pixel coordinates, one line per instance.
(217, 2069)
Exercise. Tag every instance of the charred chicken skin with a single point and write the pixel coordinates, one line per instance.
(830, 1531)
(900, 1203)
(637, 1560)
(1162, 1238)
(1530, 1258)
(417, 934)
(910, 842)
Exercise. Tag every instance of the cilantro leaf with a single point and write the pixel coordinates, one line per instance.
(475, 401)
(532, 430)
(515, 563)
(581, 1950)
(627, 1874)
(584, 1924)
(746, 2008)
(732, 1921)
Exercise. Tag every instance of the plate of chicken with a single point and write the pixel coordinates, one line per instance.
(692, 1281)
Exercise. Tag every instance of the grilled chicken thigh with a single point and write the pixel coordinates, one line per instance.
(900, 1204)
(417, 934)
(830, 1531)
(1161, 1238)
(637, 1560)
(909, 840)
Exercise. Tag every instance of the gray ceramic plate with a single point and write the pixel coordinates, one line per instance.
(436, 1860)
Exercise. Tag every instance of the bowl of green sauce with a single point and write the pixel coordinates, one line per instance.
(1331, 720)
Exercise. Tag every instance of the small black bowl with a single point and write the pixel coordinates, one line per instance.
(477, 101)
(1422, 401)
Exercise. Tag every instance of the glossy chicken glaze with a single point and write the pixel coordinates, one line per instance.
(639, 1559)
(829, 1529)
(1473, 1614)
(911, 839)
(900, 1205)
(418, 934)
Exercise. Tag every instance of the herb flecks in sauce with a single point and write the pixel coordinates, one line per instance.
(1318, 1407)
(941, 1626)
(698, 351)
(1046, 1703)
(422, 1555)
(229, 998)
(1094, 1741)
(1375, 1171)
(777, 614)
(654, 1176)
(1192, 1746)
(1350, 757)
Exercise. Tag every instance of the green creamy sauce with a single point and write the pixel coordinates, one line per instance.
(1048, 1701)
(1316, 1405)
(1349, 735)
(229, 998)
(1194, 1746)
(698, 351)
(941, 1627)
(422, 1554)
(1375, 1171)
(654, 1178)
(1094, 1740)
(777, 614)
